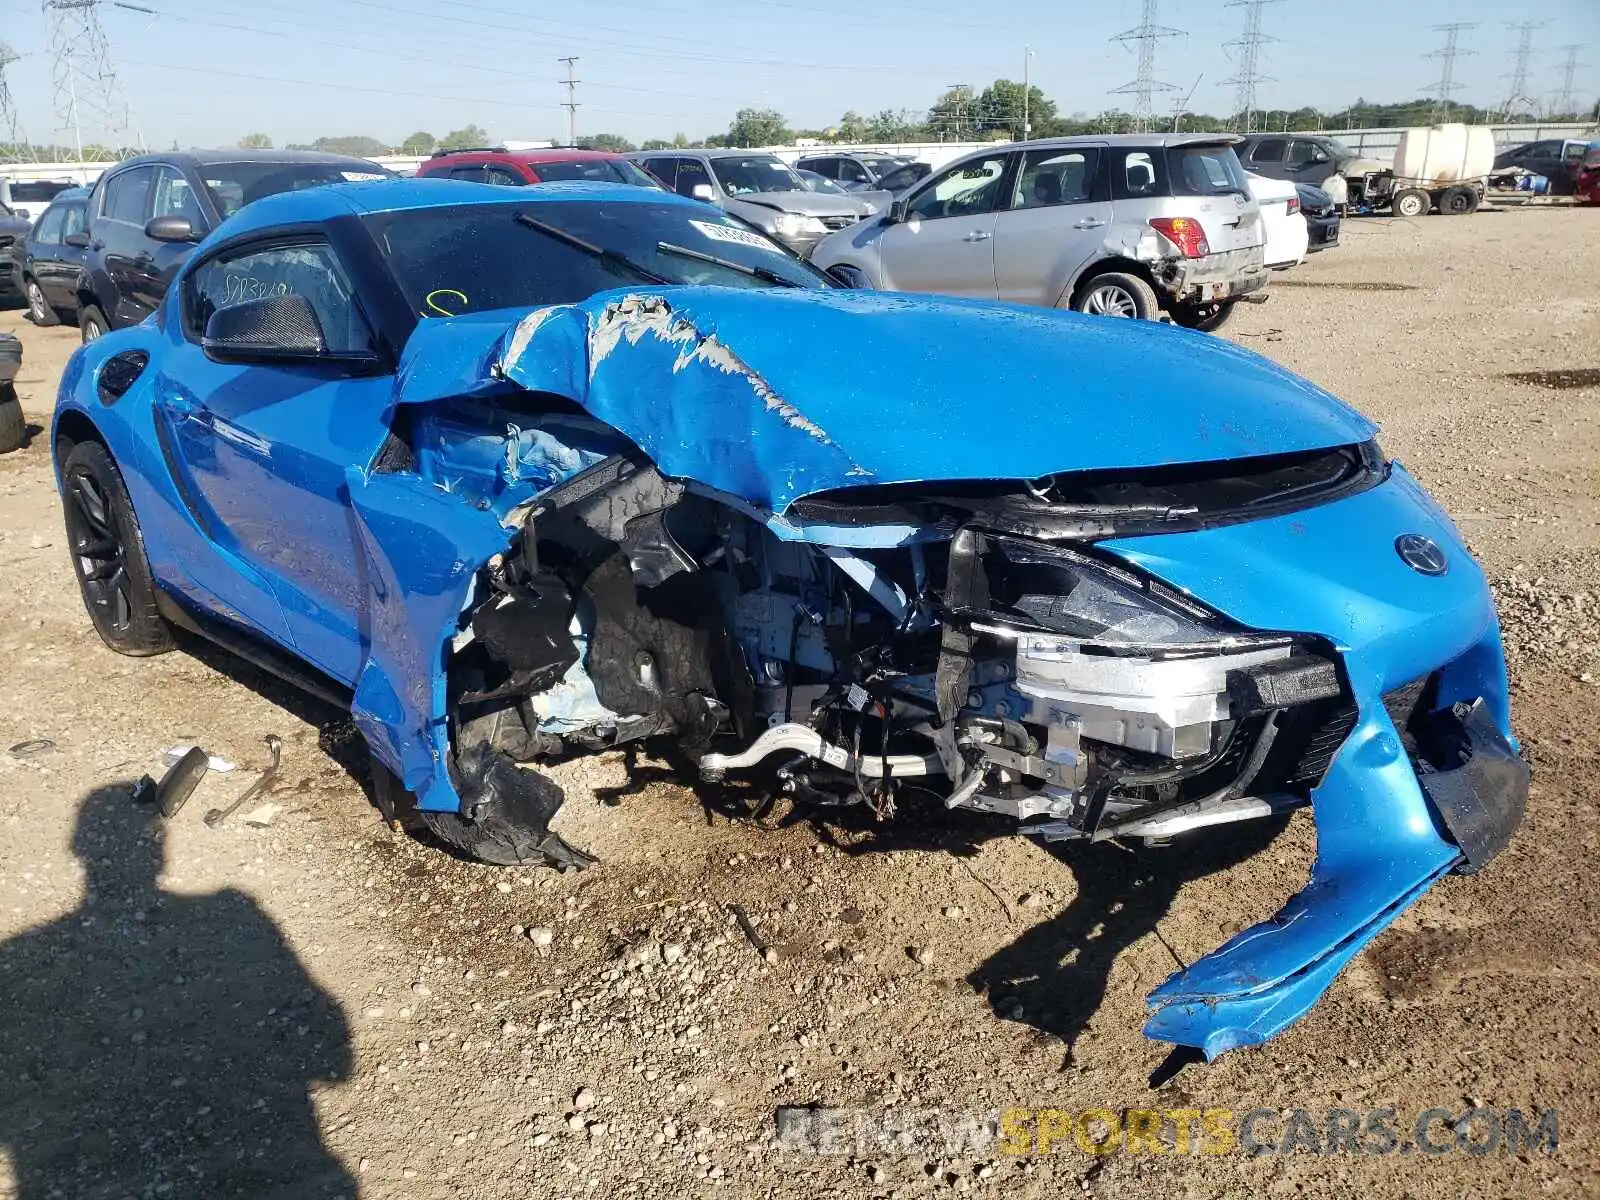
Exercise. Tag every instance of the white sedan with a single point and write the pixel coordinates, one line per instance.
(1282, 220)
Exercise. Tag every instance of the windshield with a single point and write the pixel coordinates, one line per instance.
(880, 165)
(1205, 171)
(1339, 150)
(602, 170)
(747, 174)
(473, 258)
(821, 183)
(233, 185)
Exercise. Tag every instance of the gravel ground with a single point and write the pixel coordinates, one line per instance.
(303, 1003)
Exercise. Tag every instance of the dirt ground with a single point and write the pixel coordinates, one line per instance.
(312, 1005)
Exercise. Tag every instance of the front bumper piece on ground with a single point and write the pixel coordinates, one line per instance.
(1379, 849)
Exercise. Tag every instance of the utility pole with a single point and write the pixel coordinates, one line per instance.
(958, 93)
(1249, 47)
(1517, 94)
(1447, 54)
(12, 149)
(1027, 126)
(1147, 34)
(571, 104)
(1566, 101)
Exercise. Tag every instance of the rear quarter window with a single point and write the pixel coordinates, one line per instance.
(1205, 171)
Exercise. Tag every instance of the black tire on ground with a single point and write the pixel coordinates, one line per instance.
(1207, 318)
(40, 310)
(92, 323)
(108, 554)
(1411, 202)
(1458, 201)
(1118, 294)
(13, 429)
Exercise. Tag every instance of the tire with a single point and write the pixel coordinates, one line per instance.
(108, 554)
(1207, 318)
(1411, 202)
(13, 429)
(1458, 202)
(1118, 294)
(40, 311)
(92, 323)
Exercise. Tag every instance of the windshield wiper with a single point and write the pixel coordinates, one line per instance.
(763, 273)
(603, 253)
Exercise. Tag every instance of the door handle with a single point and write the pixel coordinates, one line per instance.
(977, 235)
(1089, 223)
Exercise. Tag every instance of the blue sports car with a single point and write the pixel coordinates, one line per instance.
(523, 473)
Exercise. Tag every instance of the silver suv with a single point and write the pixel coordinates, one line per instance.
(759, 187)
(1129, 225)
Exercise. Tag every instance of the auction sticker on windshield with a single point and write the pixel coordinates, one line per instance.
(739, 237)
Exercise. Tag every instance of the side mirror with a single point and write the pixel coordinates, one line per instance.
(897, 211)
(271, 329)
(702, 191)
(170, 229)
(78, 240)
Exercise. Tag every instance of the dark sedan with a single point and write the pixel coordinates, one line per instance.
(1322, 217)
(47, 261)
(12, 230)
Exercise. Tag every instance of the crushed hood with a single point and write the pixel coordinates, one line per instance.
(770, 395)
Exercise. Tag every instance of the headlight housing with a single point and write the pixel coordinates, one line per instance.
(795, 225)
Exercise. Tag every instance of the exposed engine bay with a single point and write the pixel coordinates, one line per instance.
(969, 646)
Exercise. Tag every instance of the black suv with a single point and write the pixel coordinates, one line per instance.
(146, 214)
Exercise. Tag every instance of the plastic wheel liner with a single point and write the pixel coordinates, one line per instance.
(692, 389)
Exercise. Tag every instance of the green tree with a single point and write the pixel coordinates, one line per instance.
(953, 117)
(1000, 109)
(255, 141)
(420, 142)
(656, 144)
(758, 127)
(357, 145)
(463, 139)
(852, 128)
(679, 141)
(892, 126)
(613, 142)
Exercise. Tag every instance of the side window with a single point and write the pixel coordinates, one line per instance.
(1051, 177)
(964, 190)
(852, 172)
(661, 170)
(128, 196)
(1303, 153)
(1573, 152)
(502, 176)
(307, 269)
(828, 168)
(1270, 150)
(472, 174)
(71, 220)
(48, 231)
(691, 173)
(175, 198)
(1140, 175)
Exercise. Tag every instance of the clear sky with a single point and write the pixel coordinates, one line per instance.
(205, 72)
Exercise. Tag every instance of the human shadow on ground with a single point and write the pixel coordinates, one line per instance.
(156, 1044)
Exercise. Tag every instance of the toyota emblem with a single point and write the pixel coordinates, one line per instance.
(1421, 554)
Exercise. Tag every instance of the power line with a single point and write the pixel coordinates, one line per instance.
(1249, 75)
(1448, 53)
(84, 78)
(1148, 35)
(571, 104)
(1566, 100)
(1517, 97)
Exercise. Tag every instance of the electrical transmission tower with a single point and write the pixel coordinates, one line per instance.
(13, 147)
(1517, 97)
(1447, 54)
(571, 103)
(1566, 100)
(1148, 35)
(1248, 46)
(86, 89)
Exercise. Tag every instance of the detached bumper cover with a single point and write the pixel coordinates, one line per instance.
(1384, 833)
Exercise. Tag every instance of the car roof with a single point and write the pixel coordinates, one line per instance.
(332, 200)
(705, 152)
(68, 195)
(547, 154)
(205, 158)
